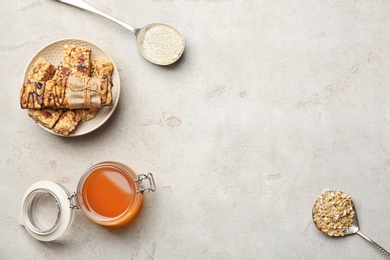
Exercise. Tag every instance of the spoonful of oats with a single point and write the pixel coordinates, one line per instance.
(334, 214)
(159, 43)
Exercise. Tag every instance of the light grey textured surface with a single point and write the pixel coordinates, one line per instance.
(272, 102)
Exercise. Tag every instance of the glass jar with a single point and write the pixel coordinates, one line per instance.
(109, 193)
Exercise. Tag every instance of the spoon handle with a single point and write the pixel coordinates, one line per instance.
(372, 242)
(83, 5)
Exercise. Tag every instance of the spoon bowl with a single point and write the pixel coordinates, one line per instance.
(164, 46)
(160, 43)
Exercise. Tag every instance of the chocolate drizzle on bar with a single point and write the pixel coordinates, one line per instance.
(72, 92)
(43, 94)
(34, 97)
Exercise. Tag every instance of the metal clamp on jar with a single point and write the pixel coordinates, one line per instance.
(109, 194)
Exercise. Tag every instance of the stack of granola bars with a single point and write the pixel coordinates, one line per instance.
(60, 98)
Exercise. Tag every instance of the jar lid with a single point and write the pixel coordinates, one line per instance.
(47, 210)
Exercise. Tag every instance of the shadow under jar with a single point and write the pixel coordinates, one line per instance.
(109, 194)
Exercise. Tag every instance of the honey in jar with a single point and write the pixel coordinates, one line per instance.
(109, 194)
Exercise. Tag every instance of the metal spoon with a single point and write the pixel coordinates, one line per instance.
(139, 33)
(353, 229)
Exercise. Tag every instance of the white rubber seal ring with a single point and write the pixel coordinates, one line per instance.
(65, 216)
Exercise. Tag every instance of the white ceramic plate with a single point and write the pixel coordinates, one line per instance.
(53, 53)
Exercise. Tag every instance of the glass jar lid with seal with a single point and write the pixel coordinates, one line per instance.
(109, 194)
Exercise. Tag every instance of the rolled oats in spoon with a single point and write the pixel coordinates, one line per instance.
(334, 214)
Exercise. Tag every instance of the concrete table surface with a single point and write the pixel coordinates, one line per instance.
(272, 102)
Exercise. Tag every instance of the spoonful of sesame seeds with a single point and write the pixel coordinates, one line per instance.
(334, 214)
(158, 43)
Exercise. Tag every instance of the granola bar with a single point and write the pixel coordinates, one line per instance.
(103, 70)
(71, 92)
(43, 94)
(86, 114)
(46, 117)
(41, 70)
(77, 61)
(67, 123)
